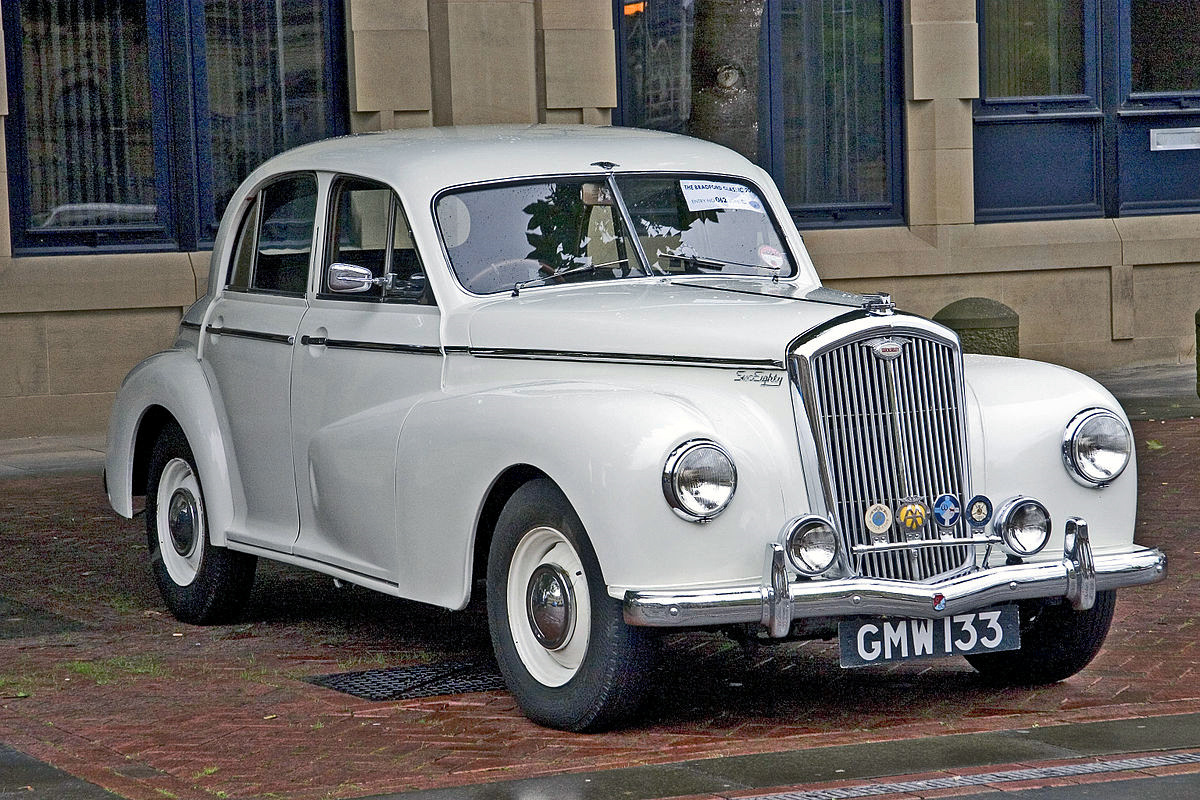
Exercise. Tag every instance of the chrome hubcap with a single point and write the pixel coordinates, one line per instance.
(550, 605)
(181, 522)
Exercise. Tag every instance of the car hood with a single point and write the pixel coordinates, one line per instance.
(671, 319)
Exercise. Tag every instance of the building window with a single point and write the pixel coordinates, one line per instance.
(132, 122)
(826, 94)
(1087, 108)
(1033, 48)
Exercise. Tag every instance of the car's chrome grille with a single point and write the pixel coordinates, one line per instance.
(888, 431)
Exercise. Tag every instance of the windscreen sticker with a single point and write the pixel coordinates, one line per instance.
(771, 257)
(711, 195)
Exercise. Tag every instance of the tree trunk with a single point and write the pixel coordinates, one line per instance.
(725, 73)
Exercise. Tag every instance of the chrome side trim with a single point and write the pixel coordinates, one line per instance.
(381, 347)
(767, 603)
(191, 326)
(242, 333)
(623, 358)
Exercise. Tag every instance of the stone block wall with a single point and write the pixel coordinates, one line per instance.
(464, 62)
(1092, 294)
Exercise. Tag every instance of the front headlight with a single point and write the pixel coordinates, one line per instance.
(1096, 447)
(1023, 525)
(699, 480)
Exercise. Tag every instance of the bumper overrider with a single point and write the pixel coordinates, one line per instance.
(777, 600)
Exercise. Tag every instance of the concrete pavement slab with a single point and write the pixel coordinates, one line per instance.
(29, 779)
(825, 765)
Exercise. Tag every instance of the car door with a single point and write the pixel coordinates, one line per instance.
(249, 340)
(366, 353)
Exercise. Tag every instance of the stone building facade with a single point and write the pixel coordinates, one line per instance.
(1093, 292)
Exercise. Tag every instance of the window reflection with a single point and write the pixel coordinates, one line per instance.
(558, 231)
(835, 126)
(267, 83)
(1033, 48)
(88, 126)
(1165, 45)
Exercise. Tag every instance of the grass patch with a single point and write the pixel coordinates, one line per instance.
(14, 687)
(370, 661)
(110, 670)
(123, 603)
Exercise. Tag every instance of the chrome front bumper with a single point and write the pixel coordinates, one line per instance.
(777, 600)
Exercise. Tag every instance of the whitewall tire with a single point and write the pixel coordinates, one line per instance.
(200, 582)
(561, 642)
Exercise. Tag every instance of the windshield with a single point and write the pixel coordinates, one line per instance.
(508, 236)
(704, 225)
(503, 237)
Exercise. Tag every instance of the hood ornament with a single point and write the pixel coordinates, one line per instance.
(878, 304)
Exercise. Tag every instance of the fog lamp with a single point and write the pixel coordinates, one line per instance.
(811, 544)
(1023, 525)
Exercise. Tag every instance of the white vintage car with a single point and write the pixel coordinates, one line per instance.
(594, 372)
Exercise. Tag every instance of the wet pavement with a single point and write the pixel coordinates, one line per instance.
(103, 694)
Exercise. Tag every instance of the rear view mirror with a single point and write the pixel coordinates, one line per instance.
(350, 279)
(596, 194)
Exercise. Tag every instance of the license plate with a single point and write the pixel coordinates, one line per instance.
(880, 641)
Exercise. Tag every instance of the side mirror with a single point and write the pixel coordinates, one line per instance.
(350, 279)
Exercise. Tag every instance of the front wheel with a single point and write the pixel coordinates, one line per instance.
(200, 582)
(1056, 642)
(561, 642)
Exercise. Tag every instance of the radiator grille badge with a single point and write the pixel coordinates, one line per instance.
(888, 348)
(879, 520)
(946, 511)
(979, 510)
(912, 515)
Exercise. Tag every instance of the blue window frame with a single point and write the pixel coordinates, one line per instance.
(131, 122)
(1086, 107)
(830, 98)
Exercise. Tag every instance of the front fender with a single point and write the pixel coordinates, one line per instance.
(174, 381)
(605, 447)
(1018, 411)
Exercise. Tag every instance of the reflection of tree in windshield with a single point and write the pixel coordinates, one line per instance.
(555, 227)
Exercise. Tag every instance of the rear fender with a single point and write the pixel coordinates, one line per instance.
(171, 383)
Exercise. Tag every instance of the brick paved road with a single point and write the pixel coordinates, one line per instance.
(144, 706)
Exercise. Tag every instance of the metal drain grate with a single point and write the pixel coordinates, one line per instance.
(421, 680)
(1007, 776)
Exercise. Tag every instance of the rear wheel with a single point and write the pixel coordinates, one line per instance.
(1056, 642)
(561, 642)
(200, 582)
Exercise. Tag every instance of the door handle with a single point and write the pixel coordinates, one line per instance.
(315, 341)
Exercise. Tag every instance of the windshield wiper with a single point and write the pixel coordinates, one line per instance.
(518, 286)
(700, 262)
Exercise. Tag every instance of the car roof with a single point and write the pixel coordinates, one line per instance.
(430, 159)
